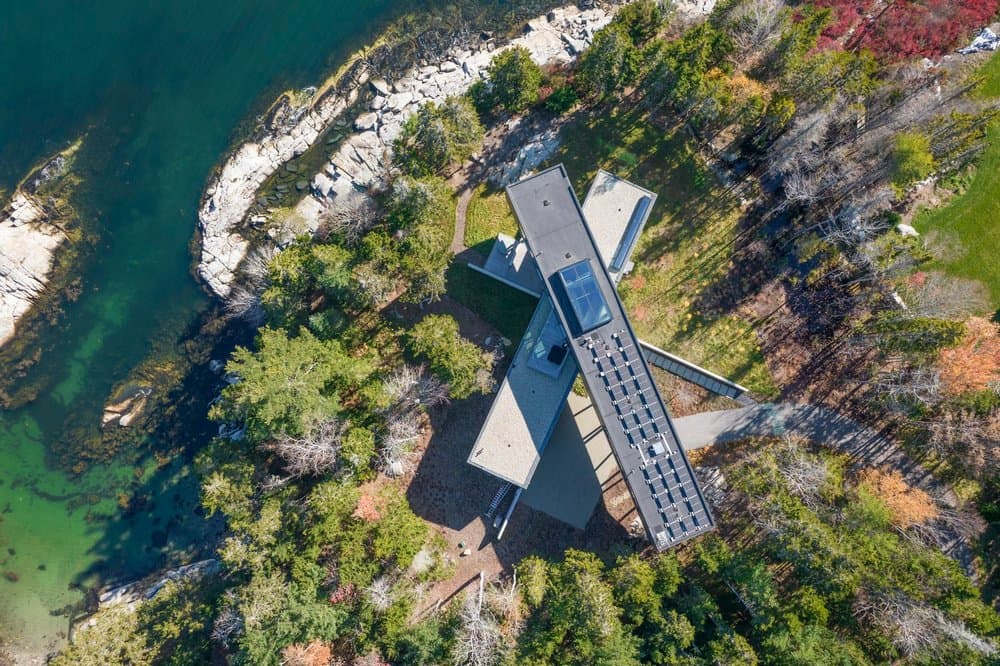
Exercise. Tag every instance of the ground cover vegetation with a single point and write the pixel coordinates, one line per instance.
(966, 239)
(489, 214)
(818, 560)
(905, 29)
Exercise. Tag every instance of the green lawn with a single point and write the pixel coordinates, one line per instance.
(489, 214)
(685, 248)
(505, 308)
(966, 231)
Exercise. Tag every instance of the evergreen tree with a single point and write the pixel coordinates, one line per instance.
(436, 136)
(512, 84)
(287, 384)
(456, 361)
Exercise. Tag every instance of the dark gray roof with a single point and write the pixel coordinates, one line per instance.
(628, 403)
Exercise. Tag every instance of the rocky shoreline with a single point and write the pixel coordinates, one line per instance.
(32, 230)
(358, 165)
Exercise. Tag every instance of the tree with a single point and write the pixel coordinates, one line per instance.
(732, 650)
(313, 453)
(756, 25)
(512, 84)
(422, 210)
(413, 201)
(897, 332)
(288, 384)
(917, 628)
(438, 135)
(577, 621)
(456, 361)
(297, 275)
(641, 20)
(479, 641)
(401, 433)
(410, 387)
(290, 278)
(610, 64)
(912, 159)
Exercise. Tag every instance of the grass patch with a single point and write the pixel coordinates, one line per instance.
(970, 219)
(488, 214)
(686, 247)
(506, 309)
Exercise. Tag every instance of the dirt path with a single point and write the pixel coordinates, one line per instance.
(461, 209)
(866, 447)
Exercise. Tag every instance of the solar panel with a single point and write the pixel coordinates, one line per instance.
(584, 296)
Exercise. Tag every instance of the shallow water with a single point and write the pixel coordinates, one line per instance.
(158, 90)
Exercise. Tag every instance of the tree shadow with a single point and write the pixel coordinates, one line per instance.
(159, 522)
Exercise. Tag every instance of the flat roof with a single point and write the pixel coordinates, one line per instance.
(507, 262)
(608, 209)
(627, 402)
(525, 409)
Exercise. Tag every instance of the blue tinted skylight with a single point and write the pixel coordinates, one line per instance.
(584, 296)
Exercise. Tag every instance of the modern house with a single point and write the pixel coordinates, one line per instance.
(571, 258)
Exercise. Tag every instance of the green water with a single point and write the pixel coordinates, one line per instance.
(157, 88)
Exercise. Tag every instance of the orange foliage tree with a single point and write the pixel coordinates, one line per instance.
(975, 363)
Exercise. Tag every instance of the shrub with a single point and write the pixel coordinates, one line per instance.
(357, 450)
(907, 28)
(562, 100)
(912, 159)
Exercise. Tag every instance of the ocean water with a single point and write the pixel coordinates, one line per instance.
(157, 89)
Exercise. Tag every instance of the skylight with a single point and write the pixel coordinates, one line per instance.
(584, 296)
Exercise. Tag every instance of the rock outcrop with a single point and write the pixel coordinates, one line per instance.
(359, 164)
(29, 239)
(131, 594)
(293, 129)
(125, 409)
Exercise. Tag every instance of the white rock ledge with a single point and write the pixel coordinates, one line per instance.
(359, 164)
(28, 243)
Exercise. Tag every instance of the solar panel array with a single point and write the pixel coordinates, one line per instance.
(645, 425)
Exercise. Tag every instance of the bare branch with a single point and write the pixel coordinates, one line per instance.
(478, 641)
(402, 432)
(313, 454)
